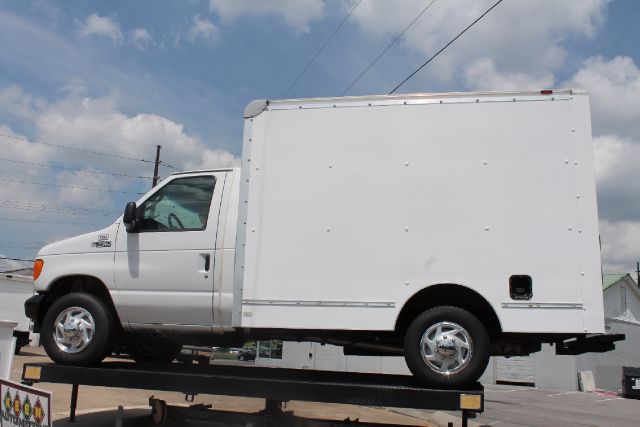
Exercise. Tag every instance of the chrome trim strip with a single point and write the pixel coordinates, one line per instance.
(423, 95)
(176, 328)
(339, 103)
(553, 305)
(295, 303)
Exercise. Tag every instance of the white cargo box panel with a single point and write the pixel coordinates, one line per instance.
(352, 205)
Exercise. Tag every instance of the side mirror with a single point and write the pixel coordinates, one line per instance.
(129, 219)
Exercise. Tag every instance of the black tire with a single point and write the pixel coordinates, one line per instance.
(461, 374)
(99, 345)
(152, 348)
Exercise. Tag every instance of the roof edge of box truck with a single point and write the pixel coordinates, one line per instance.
(255, 107)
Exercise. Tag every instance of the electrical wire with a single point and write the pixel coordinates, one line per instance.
(73, 169)
(389, 46)
(321, 49)
(169, 166)
(22, 244)
(73, 187)
(68, 147)
(444, 47)
(66, 209)
(56, 211)
(89, 132)
(17, 259)
(49, 222)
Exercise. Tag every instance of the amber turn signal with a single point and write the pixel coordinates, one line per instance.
(37, 268)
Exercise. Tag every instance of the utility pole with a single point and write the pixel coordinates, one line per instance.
(157, 165)
(638, 273)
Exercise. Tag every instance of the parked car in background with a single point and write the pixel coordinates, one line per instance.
(246, 354)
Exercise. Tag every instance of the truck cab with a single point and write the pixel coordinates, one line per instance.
(169, 268)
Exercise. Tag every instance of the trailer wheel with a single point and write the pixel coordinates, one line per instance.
(77, 330)
(152, 349)
(446, 347)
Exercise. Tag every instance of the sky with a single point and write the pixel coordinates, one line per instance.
(89, 88)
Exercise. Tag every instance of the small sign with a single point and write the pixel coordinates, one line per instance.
(24, 406)
(636, 385)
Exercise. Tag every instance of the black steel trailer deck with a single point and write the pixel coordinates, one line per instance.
(273, 384)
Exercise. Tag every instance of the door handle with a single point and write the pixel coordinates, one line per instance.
(207, 262)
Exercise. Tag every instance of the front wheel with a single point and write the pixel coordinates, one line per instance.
(77, 330)
(446, 347)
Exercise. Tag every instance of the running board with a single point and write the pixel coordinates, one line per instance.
(596, 343)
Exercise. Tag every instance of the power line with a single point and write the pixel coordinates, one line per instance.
(21, 243)
(321, 49)
(393, 42)
(49, 222)
(68, 147)
(74, 169)
(18, 259)
(50, 210)
(445, 46)
(33, 205)
(89, 132)
(73, 187)
(169, 166)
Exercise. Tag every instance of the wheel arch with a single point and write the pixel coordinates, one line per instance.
(453, 295)
(82, 284)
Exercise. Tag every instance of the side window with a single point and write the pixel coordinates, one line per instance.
(181, 205)
(270, 349)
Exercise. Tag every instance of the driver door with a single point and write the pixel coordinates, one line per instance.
(164, 270)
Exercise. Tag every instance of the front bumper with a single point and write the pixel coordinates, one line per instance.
(32, 310)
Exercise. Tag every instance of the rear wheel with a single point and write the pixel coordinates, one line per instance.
(446, 347)
(77, 330)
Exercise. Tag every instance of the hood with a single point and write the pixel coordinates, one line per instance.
(96, 241)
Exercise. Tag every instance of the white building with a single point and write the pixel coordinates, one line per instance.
(544, 369)
(15, 288)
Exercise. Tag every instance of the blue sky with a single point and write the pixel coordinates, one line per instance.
(119, 77)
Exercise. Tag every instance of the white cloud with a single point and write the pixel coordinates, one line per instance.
(614, 87)
(204, 30)
(96, 124)
(296, 13)
(211, 159)
(101, 26)
(523, 37)
(620, 245)
(73, 184)
(483, 75)
(141, 38)
(618, 176)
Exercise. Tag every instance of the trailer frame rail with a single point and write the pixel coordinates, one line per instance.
(272, 384)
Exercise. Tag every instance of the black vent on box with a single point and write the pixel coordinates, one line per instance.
(520, 287)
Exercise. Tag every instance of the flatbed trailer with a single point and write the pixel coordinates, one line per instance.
(276, 385)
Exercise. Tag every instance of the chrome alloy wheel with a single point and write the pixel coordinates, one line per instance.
(446, 348)
(73, 329)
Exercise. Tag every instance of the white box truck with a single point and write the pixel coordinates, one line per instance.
(444, 227)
